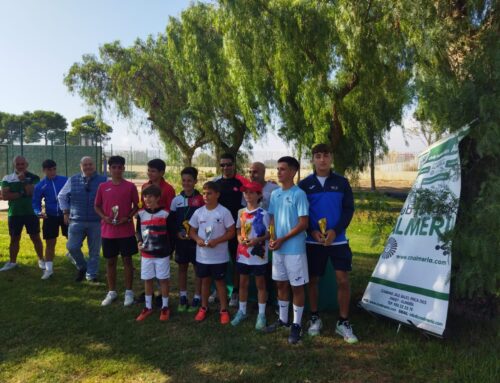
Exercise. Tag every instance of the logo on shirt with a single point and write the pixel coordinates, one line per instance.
(288, 199)
(235, 189)
(107, 190)
(312, 187)
(334, 187)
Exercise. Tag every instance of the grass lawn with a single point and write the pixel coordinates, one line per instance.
(56, 331)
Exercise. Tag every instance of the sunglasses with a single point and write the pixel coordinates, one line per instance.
(225, 165)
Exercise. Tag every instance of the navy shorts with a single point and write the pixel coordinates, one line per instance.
(17, 222)
(51, 225)
(185, 252)
(257, 270)
(217, 271)
(317, 257)
(126, 247)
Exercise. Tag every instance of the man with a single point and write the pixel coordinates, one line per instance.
(330, 201)
(53, 217)
(289, 212)
(257, 173)
(232, 199)
(17, 188)
(76, 199)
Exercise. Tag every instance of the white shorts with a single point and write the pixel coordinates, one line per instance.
(292, 268)
(155, 268)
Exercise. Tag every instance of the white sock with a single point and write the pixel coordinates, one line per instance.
(164, 302)
(262, 308)
(183, 293)
(197, 296)
(243, 307)
(297, 314)
(283, 310)
(129, 292)
(49, 266)
(149, 301)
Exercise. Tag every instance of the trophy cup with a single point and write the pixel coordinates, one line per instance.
(185, 225)
(272, 233)
(145, 237)
(115, 209)
(208, 232)
(322, 227)
(247, 228)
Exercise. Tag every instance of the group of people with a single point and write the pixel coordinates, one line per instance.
(288, 232)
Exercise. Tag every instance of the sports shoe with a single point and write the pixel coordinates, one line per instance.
(70, 258)
(315, 325)
(294, 336)
(345, 331)
(47, 274)
(8, 266)
(144, 314)
(80, 275)
(275, 326)
(110, 297)
(224, 317)
(261, 322)
(195, 305)
(183, 305)
(41, 264)
(201, 314)
(238, 318)
(233, 302)
(213, 297)
(164, 314)
(129, 299)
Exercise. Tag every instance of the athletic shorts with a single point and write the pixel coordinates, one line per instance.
(217, 270)
(17, 222)
(317, 258)
(185, 252)
(155, 268)
(51, 225)
(126, 247)
(292, 268)
(257, 270)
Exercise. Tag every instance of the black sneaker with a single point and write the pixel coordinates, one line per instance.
(275, 326)
(80, 275)
(294, 336)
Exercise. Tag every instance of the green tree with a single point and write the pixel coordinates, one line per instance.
(88, 130)
(45, 125)
(10, 127)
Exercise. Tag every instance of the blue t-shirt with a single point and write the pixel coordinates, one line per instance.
(287, 206)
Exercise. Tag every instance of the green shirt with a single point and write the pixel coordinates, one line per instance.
(20, 206)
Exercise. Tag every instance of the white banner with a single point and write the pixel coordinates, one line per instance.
(411, 282)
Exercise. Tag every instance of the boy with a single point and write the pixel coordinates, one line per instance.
(156, 171)
(53, 217)
(181, 210)
(211, 227)
(330, 198)
(252, 225)
(116, 203)
(153, 242)
(289, 212)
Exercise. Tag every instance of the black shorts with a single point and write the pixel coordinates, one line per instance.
(257, 270)
(185, 252)
(317, 257)
(17, 222)
(126, 247)
(217, 271)
(51, 225)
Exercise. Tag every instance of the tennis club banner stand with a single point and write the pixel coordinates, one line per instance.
(411, 282)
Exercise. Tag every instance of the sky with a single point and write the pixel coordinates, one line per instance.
(41, 39)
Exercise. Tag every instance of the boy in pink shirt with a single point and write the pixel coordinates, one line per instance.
(116, 203)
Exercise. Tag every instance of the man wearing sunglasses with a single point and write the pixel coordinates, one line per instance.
(76, 200)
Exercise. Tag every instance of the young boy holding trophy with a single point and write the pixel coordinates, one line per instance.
(331, 207)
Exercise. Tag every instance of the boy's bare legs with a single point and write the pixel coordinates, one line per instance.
(111, 273)
(128, 271)
(260, 283)
(205, 291)
(220, 284)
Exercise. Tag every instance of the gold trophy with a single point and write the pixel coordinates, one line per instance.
(272, 233)
(186, 226)
(322, 227)
(247, 228)
(115, 209)
(208, 232)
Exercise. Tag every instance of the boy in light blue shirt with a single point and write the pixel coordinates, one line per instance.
(289, 212)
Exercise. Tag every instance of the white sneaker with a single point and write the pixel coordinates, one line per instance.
(47, 274)
(315, 326)
(233, 302)
(345, 331)
(110, 297)
(212, 297)
(8, 266)
(41, 264)
(129, 299)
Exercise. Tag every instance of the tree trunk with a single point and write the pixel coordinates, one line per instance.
(372, 169)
